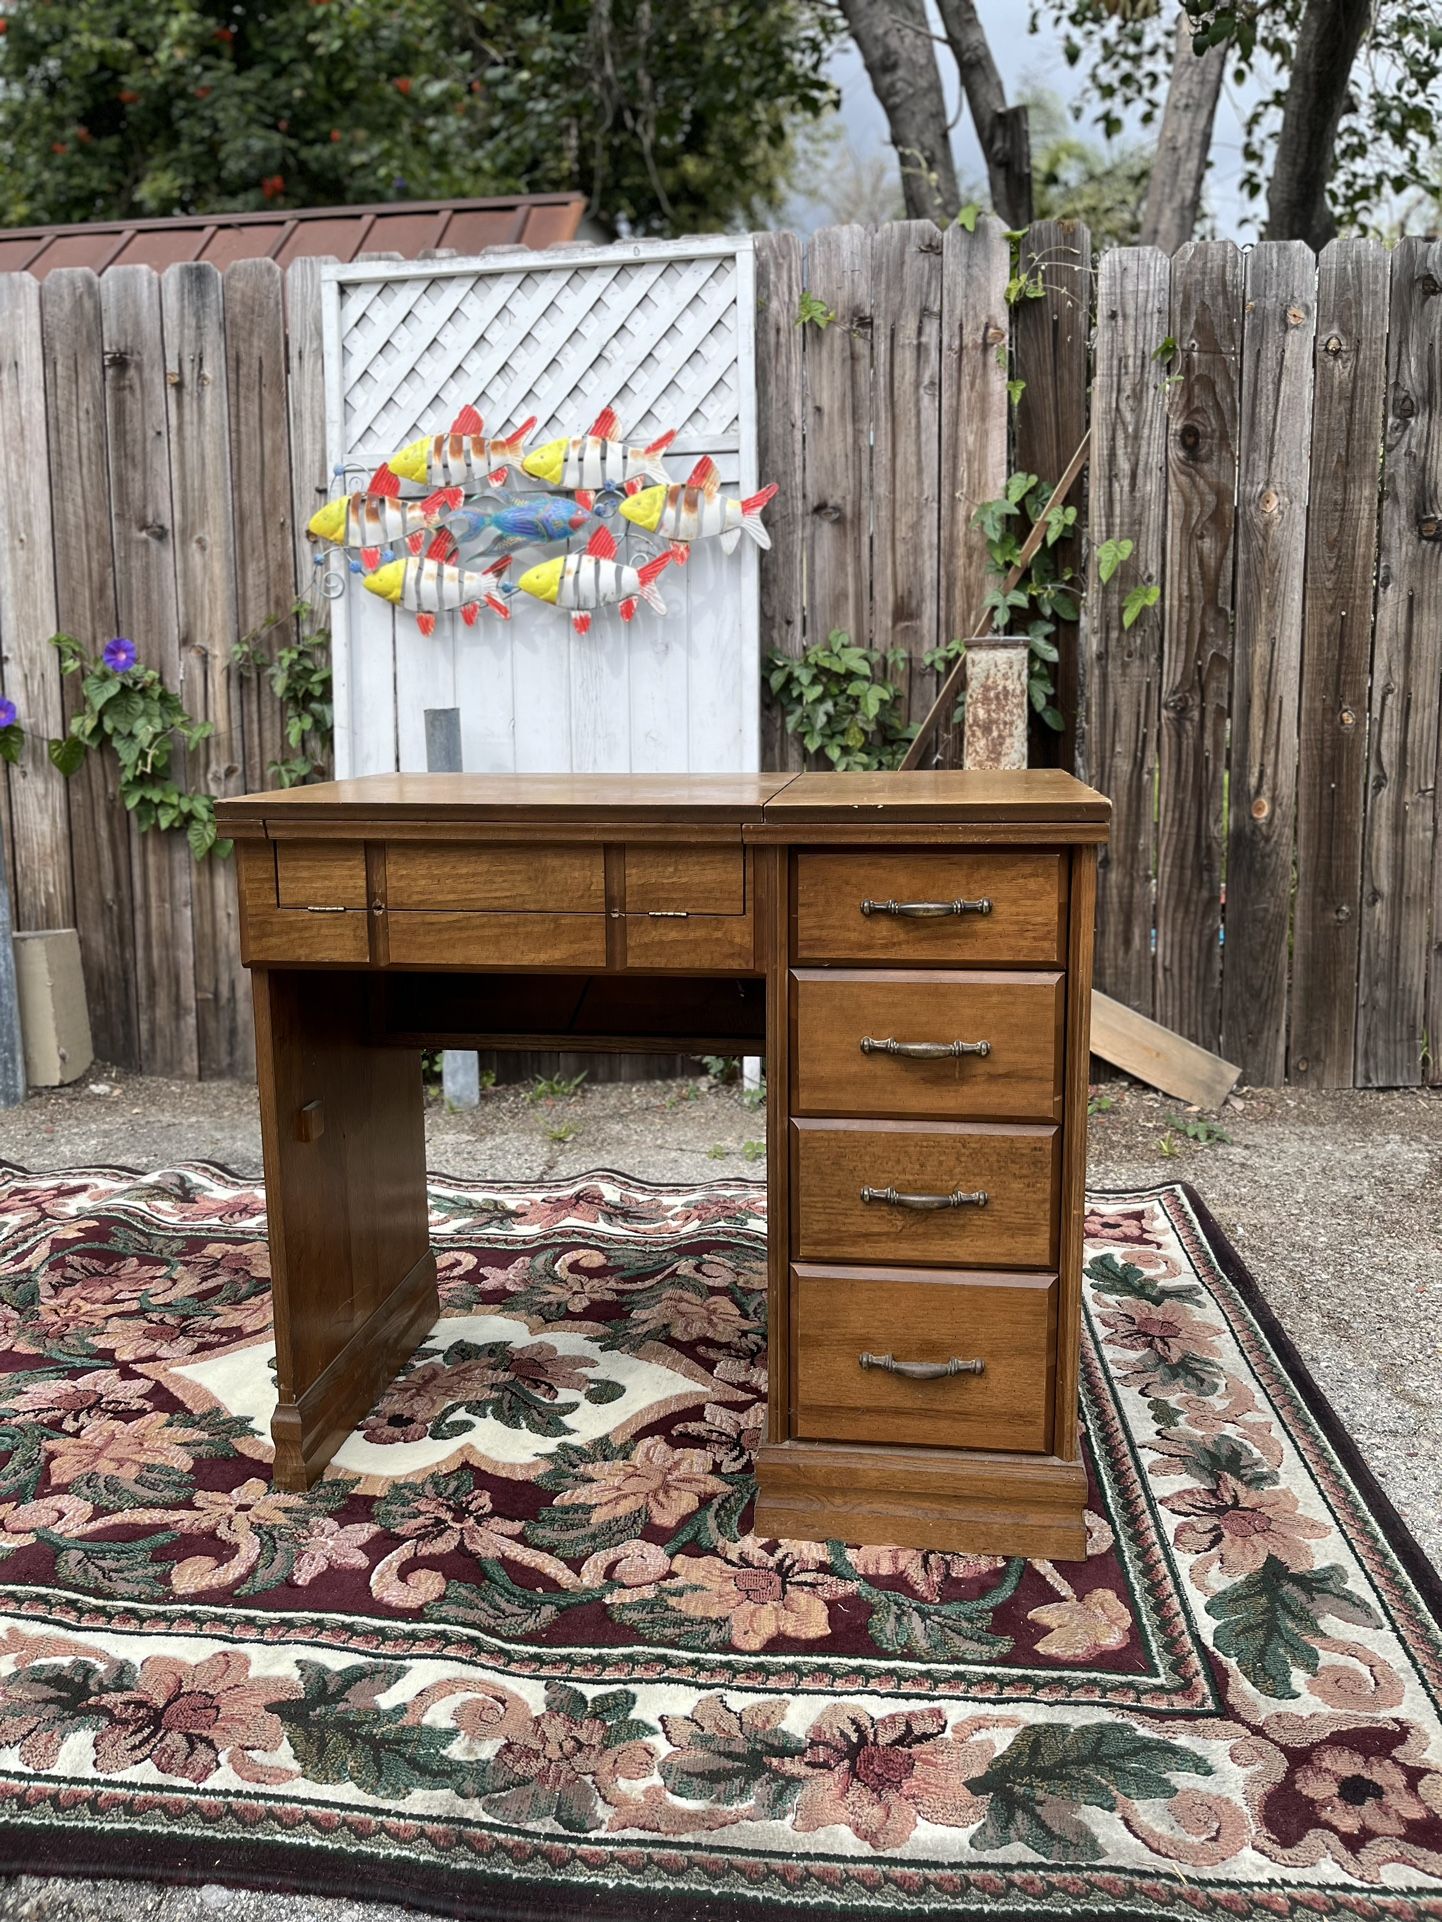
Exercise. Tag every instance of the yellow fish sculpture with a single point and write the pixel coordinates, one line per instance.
(698, 509)
(464, 457)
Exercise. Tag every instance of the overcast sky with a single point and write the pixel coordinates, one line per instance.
(1028, 61)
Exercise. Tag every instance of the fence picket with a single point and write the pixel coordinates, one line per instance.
(1276, 440)
(974, 419)
(906, 447)
(85, 607)
(42, 893)
(1121, 663)
(1202, 426)
(1392, 1012)
(1349, 380)
(199, 420)
(1049, 353)
(261, 482)
(311, 480)
(145, 605)
(837, 494)
(780, 412)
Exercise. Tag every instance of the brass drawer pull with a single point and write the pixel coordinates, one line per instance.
(919, 910)
(956, 1199)
(924, 1050)
(921, 1370)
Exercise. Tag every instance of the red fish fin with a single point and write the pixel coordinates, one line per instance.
(468, 421)
(680, 552)
(498, 606)
(445, 500)
(606, 425)
(370, 559)
(518, 436)
(652, 568)
(581, 623)
(498, 476)
(442, 548)
(661, 442)
(471, 613)
(415, 542)
(426, 623)
(383, 481)
(602, 545)
(634, 485)
(497, 568)
(628, 607)
(585, 499)
(758, 501)
(704, 475)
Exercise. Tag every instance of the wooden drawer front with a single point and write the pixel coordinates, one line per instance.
(700, 942)
(501, 941)
(320, 874)
(1007, 1322)
(704, 878)
(291, 935)
(1024, 922)
(520, 877)
(1015, 1168)
(1018, 1015)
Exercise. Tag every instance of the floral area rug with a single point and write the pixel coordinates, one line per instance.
(518, 1652)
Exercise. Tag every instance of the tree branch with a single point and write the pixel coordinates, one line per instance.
(1001, 130)
(1174, 193)
(894, 41)
(1327, 42)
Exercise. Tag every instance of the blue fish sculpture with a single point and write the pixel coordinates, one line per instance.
(529, 520)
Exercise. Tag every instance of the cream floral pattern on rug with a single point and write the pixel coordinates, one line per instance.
(519, 1644)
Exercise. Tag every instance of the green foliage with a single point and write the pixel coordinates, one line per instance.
(300, 678)
(967, 216)
(1072, 179)
(812, 310)
(669, 119)
(1045, 594)
(753, 1150)
(1199, 1129)
(12, 742)
(556, 1087)
(1113, 554)
(139, 719)
(1110, 555)
(1144, 595)
(840, 703)
(1386, 142)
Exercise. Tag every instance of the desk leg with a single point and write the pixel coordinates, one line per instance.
(352, 1273)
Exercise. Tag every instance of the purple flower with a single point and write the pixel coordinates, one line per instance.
(119, 655)
(8, 714)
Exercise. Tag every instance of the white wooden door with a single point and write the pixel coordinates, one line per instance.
(664, 333)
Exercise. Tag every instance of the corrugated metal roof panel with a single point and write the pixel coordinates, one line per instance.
(405, 227)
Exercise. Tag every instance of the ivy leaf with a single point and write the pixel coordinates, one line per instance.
(812, 310)
(967, 216)
(1270, 1621)
(201, 836)
(67, 754)
(1138, 601)
(1014, 390)
(1110, 555)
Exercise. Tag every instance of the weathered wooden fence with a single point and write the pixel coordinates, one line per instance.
(1266, 431)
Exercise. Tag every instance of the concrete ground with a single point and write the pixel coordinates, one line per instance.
(1330, 1198)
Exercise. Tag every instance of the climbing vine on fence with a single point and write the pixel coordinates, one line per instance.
(1046, 592)
(299, 674)
(840, 702)
(129, 709)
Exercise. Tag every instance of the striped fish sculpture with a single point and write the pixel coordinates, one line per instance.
(581, 582)
(435, 585)
(464, 457)
(375, 521)
(698, 509)
(598, 459)
(528, 520)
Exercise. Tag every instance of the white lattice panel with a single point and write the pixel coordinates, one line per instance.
(661, 332)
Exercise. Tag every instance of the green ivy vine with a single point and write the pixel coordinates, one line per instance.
(840, 702)
(300, 678)
(129, 709)
(1045, 594)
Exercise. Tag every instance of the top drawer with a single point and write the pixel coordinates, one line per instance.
(930, 905)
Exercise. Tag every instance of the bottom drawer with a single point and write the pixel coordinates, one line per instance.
(1007, 1322)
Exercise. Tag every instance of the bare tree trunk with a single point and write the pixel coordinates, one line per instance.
(1174, 193)
(1327, 43)
(895, 42)
(1002, 130)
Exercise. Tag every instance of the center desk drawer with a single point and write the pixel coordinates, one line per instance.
(518, 877)
(921, 906)
(503, 942)
(978, 1193)
(909, 1325)
(927, 1045)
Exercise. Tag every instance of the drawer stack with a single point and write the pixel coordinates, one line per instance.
(925, 1321)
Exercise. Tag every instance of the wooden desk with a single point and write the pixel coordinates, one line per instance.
(926, 1090)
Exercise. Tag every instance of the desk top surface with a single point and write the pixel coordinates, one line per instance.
(1032, 795)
